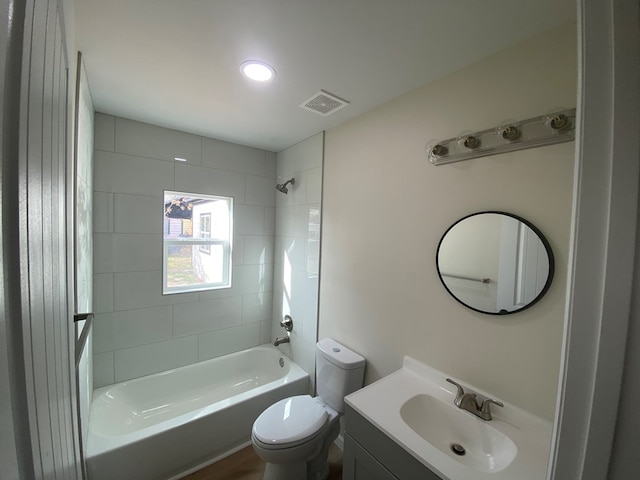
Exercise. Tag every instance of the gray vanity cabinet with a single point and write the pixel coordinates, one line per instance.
(370, 455)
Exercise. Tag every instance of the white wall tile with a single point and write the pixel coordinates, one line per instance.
(280, 309)
(269, 221)
(204, 316)
(128, 262)
(102, 252)
(142, 326)
(284, 221)
(156, 357)
(103, 333)
(314, 221)
(296, 222)
(254, 278)
(286, 163)
(260, 191)
(258, 250)
(144, 289)
(104, 135)
(290, 253)
(314, 185)
(234, 291)
(138, 214)
(296, 294)
(301, 214)
(221, 342)
(248, 220)
(119, 173)
(136, 252)
(230, 156)
(310, 310)
(265, 332)
(102, 292)
(270, 164)
(278, 279)
(304, 354)
(210, 181)
(312, 256)
(144, 140)
(238, 250)
(309, 153)
(298, 194)
(103, 212)
(103, 369)
(256, 307)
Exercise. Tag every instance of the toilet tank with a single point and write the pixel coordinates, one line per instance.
(339, 372)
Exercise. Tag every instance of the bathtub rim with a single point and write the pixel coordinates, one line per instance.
(98, 444)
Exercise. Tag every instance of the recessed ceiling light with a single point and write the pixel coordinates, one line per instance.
(258, 71)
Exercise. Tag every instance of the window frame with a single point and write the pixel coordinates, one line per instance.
(227, 246)
(206, 249)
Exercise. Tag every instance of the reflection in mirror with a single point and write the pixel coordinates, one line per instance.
(495, 262)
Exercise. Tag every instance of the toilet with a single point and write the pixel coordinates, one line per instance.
(293, 435)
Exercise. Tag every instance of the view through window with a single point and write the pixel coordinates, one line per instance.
(197, 242)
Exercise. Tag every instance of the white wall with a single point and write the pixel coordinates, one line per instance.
(385, 208)
(137, 330)
(297, 253)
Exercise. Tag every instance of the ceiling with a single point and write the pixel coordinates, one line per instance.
(176, 63)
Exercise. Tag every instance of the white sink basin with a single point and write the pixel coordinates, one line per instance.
(414, 407)
(468, 440)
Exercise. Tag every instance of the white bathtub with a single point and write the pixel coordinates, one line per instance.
(165, 425)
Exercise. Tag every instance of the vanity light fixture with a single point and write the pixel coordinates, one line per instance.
(257, 70)
(557, 127)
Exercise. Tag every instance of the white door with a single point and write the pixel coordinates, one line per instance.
(524, 266)
(36, 185)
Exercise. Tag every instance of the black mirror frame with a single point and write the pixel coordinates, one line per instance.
(542, 238)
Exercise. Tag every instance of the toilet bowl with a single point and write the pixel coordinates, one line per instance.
(293, 435)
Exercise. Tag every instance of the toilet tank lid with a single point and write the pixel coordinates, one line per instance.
(339, 354)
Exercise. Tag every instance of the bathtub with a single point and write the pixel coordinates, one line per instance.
(168, 424)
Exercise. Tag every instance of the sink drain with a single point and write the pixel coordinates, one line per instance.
(458, 449)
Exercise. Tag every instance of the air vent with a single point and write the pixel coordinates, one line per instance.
(324, 103)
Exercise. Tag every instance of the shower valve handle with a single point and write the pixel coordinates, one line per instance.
(287, 323)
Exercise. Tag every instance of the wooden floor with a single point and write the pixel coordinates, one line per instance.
(245, 465)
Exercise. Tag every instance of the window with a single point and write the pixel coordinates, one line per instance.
(205, 231)
(197, 242)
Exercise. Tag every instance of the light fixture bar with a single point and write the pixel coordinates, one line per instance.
(558, 127)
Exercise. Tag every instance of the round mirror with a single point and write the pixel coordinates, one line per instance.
(495, 262)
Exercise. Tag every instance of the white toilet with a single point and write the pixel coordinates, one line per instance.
(293, 436)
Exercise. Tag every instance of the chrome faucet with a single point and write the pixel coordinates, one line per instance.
(279, 340)
(473, 402)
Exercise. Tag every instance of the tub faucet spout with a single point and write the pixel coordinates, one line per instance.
(278, 341)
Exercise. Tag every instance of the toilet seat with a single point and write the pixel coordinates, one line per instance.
(290, 422)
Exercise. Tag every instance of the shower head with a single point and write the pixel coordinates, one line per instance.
(282, 187)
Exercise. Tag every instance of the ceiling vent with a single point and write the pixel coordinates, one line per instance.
(324, 103)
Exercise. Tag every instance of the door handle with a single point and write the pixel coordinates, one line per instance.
(78, 317)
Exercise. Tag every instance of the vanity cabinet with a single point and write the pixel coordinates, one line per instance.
(371, 455)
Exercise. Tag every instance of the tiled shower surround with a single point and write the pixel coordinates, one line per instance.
(137, 330)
